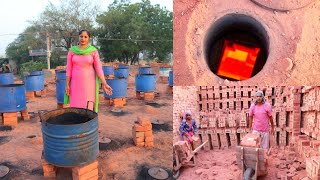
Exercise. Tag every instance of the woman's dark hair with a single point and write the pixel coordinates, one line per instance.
(80, 32)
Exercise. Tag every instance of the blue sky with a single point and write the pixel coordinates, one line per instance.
(16, 13)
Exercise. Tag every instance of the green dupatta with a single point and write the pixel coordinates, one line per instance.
(86, 51)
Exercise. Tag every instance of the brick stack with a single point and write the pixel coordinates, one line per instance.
(10, 119)
(83, 172)
(251, 140)
(313, 167)
(142, 133)
(86, 172)
(224, 109)
(116, 102)
(147, 96)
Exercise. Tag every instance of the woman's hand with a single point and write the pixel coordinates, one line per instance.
(107, 89)
(68, 90)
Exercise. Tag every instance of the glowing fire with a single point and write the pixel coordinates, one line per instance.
(237, 61)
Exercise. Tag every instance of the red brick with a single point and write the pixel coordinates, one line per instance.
(82, 170)
(148, 127)
(143, 121)
(148, 95)
(138, 127)
(149, 139)
(49, 171)
(149, 144)
(43, 93)
(30, 95)
(251, 140)
(86, 176)
(148, 133)
(138, 140)
(9, 115)
(141, 144)
(137, 134)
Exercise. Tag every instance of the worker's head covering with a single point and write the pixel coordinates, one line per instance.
(259, 92)
(187, 112)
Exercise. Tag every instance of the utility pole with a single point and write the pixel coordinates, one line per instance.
(48, 49)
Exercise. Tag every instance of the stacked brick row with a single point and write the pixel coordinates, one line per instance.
(224, 113)
(142, 133)
(311, 112)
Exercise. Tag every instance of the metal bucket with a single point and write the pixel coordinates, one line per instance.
(108, 70)
(12, 98)
(171, 78)
(145, 82)
(72, 144)
(164, 71)
(119, 88)
(145, 70)
(34, 82)
(6, 78)
(121, 73)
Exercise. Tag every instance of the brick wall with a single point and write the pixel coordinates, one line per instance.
(184, 98)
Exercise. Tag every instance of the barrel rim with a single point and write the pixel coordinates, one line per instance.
(44, 121)
(10, 85)
(146, 75)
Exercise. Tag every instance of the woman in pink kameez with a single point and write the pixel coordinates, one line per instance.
(83, 65)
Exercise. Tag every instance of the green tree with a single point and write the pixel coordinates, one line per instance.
(31, 38)
(126, 30)
(64, 20)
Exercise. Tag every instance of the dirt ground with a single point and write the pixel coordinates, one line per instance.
(222, 164)
(21, 147)
(293, 38)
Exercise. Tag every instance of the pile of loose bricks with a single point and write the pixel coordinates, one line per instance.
(142, 132)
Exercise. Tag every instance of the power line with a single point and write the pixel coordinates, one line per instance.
(108, 39)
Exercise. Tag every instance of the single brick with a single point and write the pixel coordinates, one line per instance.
(148, 133)
(149, 139)
(138, 127)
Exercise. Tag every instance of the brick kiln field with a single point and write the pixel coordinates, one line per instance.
(222, 113)
(120, 160)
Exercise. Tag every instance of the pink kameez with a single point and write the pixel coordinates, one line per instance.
(82, 78)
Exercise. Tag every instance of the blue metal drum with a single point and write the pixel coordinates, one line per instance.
(36, 73)
(121, 73)
(6, 78)
(34, 82)
(108, 70)
(119, 88)
(164, 71)
(171, 78)
(60, 85)
(12, 98)
(61, 74)
(145, 82)
(70, 141)
(145, 70)
(123, 66)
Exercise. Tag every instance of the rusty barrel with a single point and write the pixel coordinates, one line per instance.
(70, 136)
